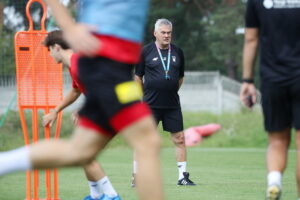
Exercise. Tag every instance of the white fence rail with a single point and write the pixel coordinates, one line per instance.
(210, 91)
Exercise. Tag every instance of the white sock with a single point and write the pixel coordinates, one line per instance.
(181, 168)
(95, 189)
(15, 160)
(107, 187)
(274, 178)
(135, 166)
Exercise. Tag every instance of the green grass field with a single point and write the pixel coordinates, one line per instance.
(221, 174)
(229, 165)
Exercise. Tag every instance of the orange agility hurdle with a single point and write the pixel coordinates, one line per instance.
(39, 84)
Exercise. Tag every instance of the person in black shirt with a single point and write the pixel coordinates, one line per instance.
(274, 25)
(161, 72)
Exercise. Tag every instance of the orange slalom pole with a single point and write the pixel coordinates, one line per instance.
(26, 139)
(48, 172)
(55, 172)
(35, 134)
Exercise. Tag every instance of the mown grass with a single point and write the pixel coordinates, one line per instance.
(229, 165)
(221, 174)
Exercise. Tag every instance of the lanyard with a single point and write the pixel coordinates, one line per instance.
(166, 68)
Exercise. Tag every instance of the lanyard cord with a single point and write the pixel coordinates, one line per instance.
(166, 68)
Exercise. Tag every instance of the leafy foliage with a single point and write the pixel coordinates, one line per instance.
(205, 30)
(224, 44)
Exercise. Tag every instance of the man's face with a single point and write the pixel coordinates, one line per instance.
(163, 35)
(55, 53)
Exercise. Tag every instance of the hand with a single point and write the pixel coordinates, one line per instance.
(75, 117)
(82, 40)
(248, 94)
(49, 119)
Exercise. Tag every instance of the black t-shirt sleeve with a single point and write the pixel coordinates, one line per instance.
(181, 58)
(140, 67)
(251, 17)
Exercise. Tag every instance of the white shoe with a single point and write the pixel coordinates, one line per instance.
(273, 193)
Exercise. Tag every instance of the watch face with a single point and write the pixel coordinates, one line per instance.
(268, 4)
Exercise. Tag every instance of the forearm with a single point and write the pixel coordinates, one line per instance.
(68, 100)
(249, 56)
(61, 14)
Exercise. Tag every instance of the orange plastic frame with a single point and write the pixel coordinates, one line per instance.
(40, 87)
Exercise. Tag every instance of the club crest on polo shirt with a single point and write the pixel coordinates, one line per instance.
(174, 58)
(277, 4)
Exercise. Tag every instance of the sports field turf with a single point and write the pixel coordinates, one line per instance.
(221, 174)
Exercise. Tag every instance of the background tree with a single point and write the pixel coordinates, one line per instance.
(1, 15)
(14, 19)
(224, 44)
(205, 30)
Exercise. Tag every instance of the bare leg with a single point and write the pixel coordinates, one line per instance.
(81, 149)
(298, 161)
(99, 183)
(180, 148)
(276, 161)
(181, 157)
(94, 171)
(277, 150)
(144, 139)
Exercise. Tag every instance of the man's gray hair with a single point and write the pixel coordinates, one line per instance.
(162, 21)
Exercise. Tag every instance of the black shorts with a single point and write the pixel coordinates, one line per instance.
(281, 106)
(112, 97)
(171, 119)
